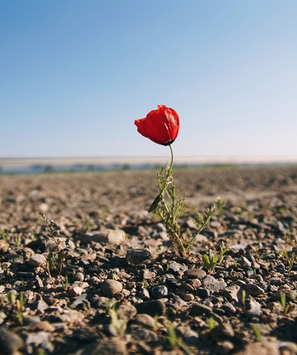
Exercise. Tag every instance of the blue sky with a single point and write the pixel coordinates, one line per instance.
(76, 74)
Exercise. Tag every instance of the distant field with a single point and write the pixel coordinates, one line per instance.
(39, 165)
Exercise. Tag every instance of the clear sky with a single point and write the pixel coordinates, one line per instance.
(74, 75)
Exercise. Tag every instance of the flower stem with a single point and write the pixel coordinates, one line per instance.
(171, 161)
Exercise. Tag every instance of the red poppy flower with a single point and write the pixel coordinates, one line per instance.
(161, 125)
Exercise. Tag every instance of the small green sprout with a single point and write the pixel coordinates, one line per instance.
(256, 332)
(220, 204)
(117, 326)
(175, 341)
(283, 302)
(211, 260)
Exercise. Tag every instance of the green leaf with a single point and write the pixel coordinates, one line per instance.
(156, 202)
(206, 261)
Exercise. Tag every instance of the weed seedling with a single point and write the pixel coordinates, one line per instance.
(211, 260)
(256, 332)
(220, 204)
(211, 323)
(283, 302)
(54, 259)
(117, 326)
(175, 341)
(243, 296)
(65, 284)
(3, 235)
(17, 304)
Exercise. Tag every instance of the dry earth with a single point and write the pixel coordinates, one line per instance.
(110, 281)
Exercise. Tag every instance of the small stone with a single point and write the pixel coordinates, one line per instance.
(190, 337)
(116, 236)
(37, 260)
(74, 291)
(79, 276)
(144, 320)
(245, 263)
(111, 287)
(138, 256)
(152, 308)
(212, 284)
(175, 267)
(144, 294)
(94, 281)
(148, 275)
(199, 309)
(251, 289)
(223, 332)
(188, 297)
(192, 285)
(3, 246)
(109, 236)
(195, 274)
(42, 339)
(228, 308)
(139, 333)
(159, 291)
(126, 311)
(41, 305)
(78, 300)
(231, 293)
(253, 308)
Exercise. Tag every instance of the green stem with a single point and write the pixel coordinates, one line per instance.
(171, 161)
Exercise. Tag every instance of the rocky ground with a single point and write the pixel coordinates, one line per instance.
(103, 277)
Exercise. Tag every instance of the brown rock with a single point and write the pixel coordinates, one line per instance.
(259, 348)
(111, 287)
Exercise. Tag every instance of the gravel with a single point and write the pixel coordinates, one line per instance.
(111, 281)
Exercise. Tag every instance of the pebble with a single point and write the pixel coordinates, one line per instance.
(152, 308)
(212, 284)
(189, 336)
(251, 289)
(175, 267)
(126, 311)
(111, 287)
(139, 333)
(110, 236)
(195, 273)
(245, 263)
(138, 256)
(144, 320)
(79, 276)
(74, 291)
(39, 340)
(37, 260)
(159, 291)
(199, 309)
(253, 308)
(231, 292)
(10, 343)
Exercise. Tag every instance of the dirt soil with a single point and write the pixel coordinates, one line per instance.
(97, 274)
